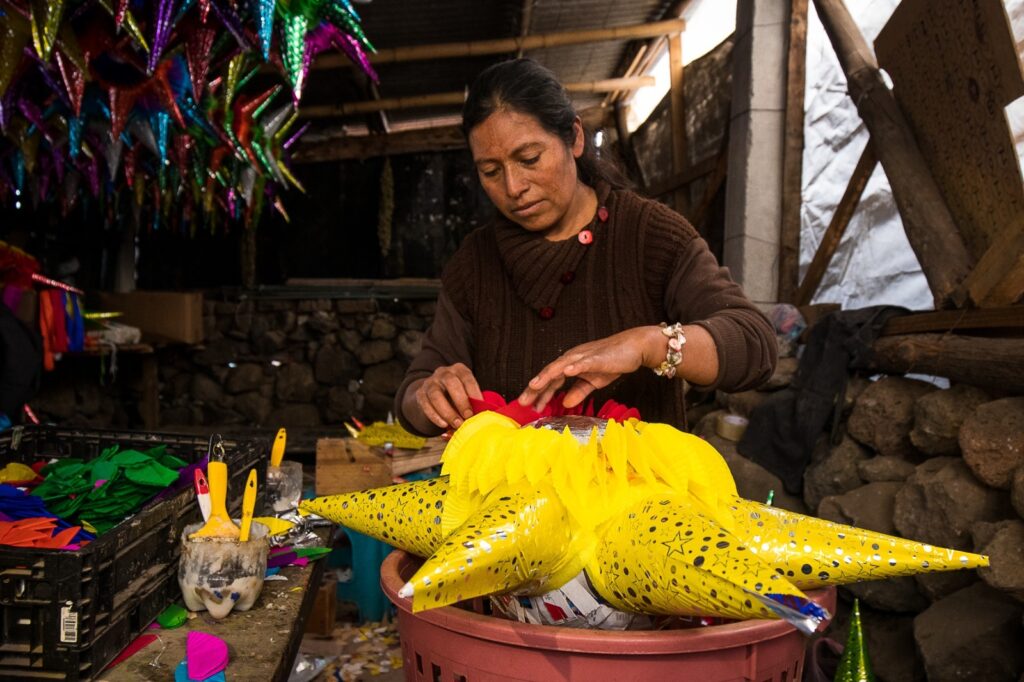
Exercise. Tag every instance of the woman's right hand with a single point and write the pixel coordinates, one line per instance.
(443, 397)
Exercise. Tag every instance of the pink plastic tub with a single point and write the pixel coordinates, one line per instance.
(455, 645)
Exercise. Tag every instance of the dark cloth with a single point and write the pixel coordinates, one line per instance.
(21, 364)
(646, 265)
(783, 430)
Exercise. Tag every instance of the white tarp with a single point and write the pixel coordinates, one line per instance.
(874, 263)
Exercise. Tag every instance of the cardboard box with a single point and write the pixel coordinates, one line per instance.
(161, 315)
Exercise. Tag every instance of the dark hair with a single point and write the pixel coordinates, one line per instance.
(524, 86)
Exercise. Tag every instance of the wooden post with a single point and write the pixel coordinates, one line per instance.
(793, 152)
(979, 361)
(837, 226)
(926, 217)
(677, 113)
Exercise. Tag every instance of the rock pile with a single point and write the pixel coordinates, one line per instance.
(945, 466)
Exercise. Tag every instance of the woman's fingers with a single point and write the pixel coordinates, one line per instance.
(457, 394)
(540, 389)
(583, 387)
(444, 396)
(423, 400)
(437, 397)
(545, 396)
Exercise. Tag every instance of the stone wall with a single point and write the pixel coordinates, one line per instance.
(264, 363)
(943, 466)
(275, 362)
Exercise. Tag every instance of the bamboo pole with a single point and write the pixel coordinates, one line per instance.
(929, 225)
(411, 53)
(644, 57)
(438, 99)
(444, 138)
(677, 114)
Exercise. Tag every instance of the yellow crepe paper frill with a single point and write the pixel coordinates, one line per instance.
(649, 512)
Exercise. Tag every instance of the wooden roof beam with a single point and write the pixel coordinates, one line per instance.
(435, 138)
(479, 48)
(645, 55)
(440, 99)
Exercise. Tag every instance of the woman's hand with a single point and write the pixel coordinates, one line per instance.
(596, 364)
(443, 397)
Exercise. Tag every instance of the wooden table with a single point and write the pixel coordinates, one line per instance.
(262, 642)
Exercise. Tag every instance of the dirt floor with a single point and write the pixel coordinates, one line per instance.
(369, 651)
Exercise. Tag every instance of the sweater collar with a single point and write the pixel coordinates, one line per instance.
(537, 267)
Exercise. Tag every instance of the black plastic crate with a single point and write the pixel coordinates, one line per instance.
(65, 615)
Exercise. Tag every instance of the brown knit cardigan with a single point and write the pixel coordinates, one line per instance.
(646, 265)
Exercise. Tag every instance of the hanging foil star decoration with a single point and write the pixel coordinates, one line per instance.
(295, 24)
(113, 154)
(74, 136)
(163, 16)
(649, 514)
(246, 109)
(45, 16)
(91, 96)
(232, 22)
(160, 123)
(198, 45)
(854, 666)
(327, 36)
(121, 102)
(120, 12)
(74, 81)
(342, 15)
(129, 166)
(128, 23)
(14, 36)
(265, 16)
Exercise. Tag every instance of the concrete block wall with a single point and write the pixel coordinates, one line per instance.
(753, 215)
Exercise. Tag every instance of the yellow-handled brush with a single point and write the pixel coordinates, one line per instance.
(219, 525)
(248, 504)
(277, 452)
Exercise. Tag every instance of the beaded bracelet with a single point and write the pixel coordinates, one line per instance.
(676, 341)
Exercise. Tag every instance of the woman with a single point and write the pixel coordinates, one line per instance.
(579, 285)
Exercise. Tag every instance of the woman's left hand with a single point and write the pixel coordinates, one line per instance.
(594, 365)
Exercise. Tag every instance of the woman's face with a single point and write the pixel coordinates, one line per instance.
(528, 172)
